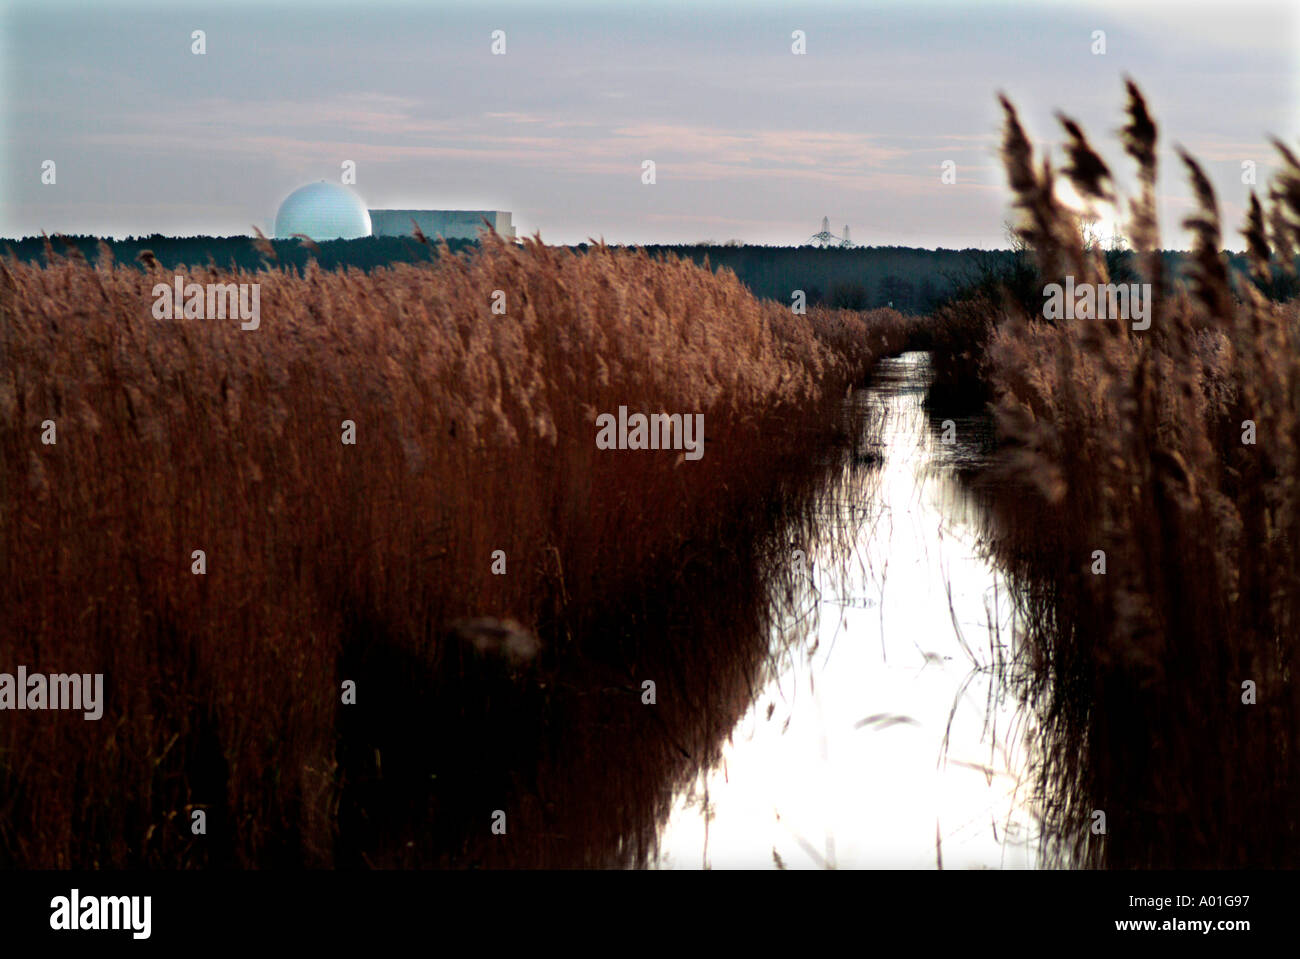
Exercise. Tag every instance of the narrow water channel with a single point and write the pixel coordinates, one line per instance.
(888, 738)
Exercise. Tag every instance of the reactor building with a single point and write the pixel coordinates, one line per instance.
(322, 211)
(448, 224)
(328, 211)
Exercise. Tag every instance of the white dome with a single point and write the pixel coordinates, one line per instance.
(322, 211)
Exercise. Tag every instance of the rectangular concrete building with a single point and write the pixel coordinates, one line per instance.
(448, 224)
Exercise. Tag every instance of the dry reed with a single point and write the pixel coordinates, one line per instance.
(475, 433)
(1131, 443)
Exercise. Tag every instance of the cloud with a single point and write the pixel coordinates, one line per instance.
(385, 130)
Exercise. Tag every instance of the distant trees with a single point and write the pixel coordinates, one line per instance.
(914, 280)
(896, 290)
(234, 251)
(850, 295)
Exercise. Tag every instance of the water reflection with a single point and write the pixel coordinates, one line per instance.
(889, 738)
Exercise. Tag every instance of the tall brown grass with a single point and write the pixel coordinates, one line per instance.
(327, 562)
(1132, 443)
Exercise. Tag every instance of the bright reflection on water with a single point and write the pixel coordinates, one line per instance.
(891, 741)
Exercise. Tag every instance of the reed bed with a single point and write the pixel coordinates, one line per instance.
(328, 562)
(1136, 443)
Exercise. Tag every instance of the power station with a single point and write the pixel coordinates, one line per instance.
(448, 224)
(327, 211)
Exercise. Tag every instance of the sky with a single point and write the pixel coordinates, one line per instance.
(750, 141)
